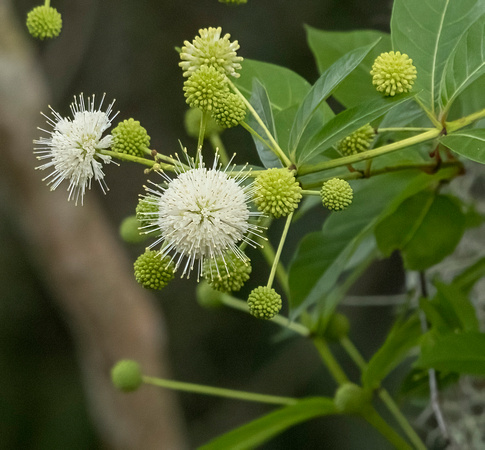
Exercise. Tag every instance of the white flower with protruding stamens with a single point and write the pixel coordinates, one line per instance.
(203, 213)
(73, 147)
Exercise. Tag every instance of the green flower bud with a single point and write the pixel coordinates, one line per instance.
(277, 192)
(264, 302)
(206, 88)
(192, 120)
(336, 194)
(226, 274)
(207, 297)
(393, 73)
(152, 271)
(44, 22)
(129, 231)
(230, 111)
(126, 375)
(357, 142)
(337, 327)
(130, 137)
(146, 211)
(351, 399)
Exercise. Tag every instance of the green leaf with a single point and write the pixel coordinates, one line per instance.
(400, 340)
(346, 122)
(465, 65)
(285, 88)
(461, 353)
(260, 102)
(329, 46)
(425, 228)
(466, 280)
(467, 143)
(258, 431)
(322, 89)
(321, 257)
(428, 31)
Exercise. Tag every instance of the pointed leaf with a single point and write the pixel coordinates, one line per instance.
(329, 46)
(323, 88)
(467, 143)
(261, 430)
(428, 31)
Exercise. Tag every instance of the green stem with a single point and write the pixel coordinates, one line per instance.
(464, 121)
(352, 159)
(217, 144)
(276, 148)
(135, 159)
(283, 321)
(429, 113)
(383, 427)
(382, 130)
(203, 124)
(220, 392)
(329, 360)
(47, 3)
(307, 192)
(279, 250)
(355, 355)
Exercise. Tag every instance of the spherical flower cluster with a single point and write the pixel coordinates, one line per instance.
(193, 116)
(206, 88)
(211, 50)
(130, 137)
(126, 375)
(153, 271)
(357, 142)
(264, 302)
(336, 194)
(74, 146)
(203, 213)
(227, 274)
(44, 22)
(230, 111)
(277, 192)
(146, 210)
(393, 73)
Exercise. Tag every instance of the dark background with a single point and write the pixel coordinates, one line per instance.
(126, 49)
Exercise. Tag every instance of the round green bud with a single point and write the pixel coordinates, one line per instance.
(226, 274)
(147, 210)
(264, 302)
(351, 399)
(129, 231)
(277, 192)
(207, 297)
(152, 271)
(393, 73)
(44, 22)
(130, 137)
(357, 142)
(192, 120)
(126, 375)
(230, 111)
(336, 194)
(337, 327)
(206, 88)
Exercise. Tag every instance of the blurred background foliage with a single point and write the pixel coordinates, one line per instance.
(126, 49)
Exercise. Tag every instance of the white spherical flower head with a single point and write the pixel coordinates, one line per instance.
(210, 49)
(203, 213)
(73, 146)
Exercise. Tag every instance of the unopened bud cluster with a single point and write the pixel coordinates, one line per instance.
(130, 137)
(145, 210)
(227, 274)
(393, 73)
(44, 22)
(336, 194)
(264, 302)
(357, 142)
(277, 192)
(152, 271)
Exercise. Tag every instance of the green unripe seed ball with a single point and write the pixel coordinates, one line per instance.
(205, 88)
(129, 231)
(152, 271)
(393, 73)
(126, 375)
(230, 111)
(336, 194)
(130, 137)
(44, 22)
(351, 399)
(227, 274)
(147, 211)
(357, 142)
(264, 302)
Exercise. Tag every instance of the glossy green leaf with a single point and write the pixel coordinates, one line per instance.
(400, 340)
(329, 46)
(260, 102)
(322, 89)
(258, 431)
(346, 122)
(469, 101)
(425, 228)
(285, 88)
(467, 143)
(461, 353)
(322, 256)
(428, 31)
(466, 64)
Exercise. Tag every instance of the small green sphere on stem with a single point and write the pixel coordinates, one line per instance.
(264, 302)
(131, 138)
(336, 194)
(227, 274)
(152, 271)
(357, 142)
(44, 22)
(393, 73)
(126, 375)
